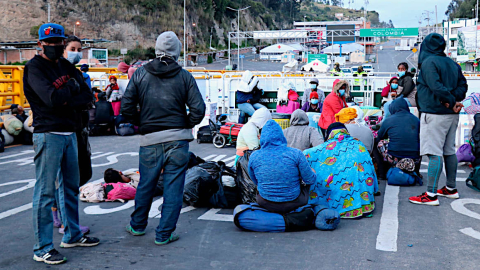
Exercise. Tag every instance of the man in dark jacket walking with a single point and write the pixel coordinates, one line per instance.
(56, 92)
(164, 90)
(441, 87)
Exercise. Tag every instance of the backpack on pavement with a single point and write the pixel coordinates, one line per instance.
(119, 192)
(398, 177)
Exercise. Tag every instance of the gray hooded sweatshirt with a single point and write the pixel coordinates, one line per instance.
(299, 135)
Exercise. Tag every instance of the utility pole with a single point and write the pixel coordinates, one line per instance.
(48, 12)
(184, 33)
(428, 19)
(211, 32)
(365, 27)
(238, 31)
(436, 19)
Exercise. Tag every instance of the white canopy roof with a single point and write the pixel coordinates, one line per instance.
(346, 48)
(278, 48)
(316, 65)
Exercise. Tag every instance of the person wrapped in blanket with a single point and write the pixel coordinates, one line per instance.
(346, 179)
(402, 149)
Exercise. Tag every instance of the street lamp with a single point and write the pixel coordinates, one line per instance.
(184, 34)
(74, 26)
(238, 31)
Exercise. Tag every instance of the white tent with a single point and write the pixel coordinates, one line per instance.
(316, 65)
(346, 48)
(291, 66)
(278, 48)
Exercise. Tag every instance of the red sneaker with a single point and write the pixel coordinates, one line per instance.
(424, 199)
(445, 192)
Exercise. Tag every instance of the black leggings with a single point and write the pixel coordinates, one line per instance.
(286, 207)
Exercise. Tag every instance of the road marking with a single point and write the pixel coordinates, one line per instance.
(212, 215)
(19, 154)
(97, 210)
(154, 210)
(113, 159)
(388, 233)
(218, 158)
(459, 206)
(14, 211)
(426, 171)
(231, 164)
(209, 157)
(471, 232)
(102, 155)
(228, 159)
(31, 183)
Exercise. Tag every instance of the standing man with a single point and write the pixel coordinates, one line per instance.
(56, 92)
(441, 87)
(164, 91)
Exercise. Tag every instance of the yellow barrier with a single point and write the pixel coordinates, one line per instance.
(11, 87)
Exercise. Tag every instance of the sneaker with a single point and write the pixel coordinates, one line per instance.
(424, 199)
(83, 229)
(173, 237)
(51, 257)
(133, 232)
(57, 223)
(445, 192)
(83, 242)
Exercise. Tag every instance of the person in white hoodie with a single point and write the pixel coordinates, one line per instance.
(249, 136)
(248, 96)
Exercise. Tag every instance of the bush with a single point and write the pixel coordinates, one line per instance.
(209, 59)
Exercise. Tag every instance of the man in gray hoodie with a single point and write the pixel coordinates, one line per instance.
(299, 135)
(163, 90)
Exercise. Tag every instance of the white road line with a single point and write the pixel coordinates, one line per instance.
(461, 179)
(218, 158)
(228, 159)
(102, 155)
(471, 232)
(14, 211)
(19, 154)
(425, 163)
(209, 157)
(424, 170)
(388, 232)
(30, 184)
(231, 164)
(212, 215)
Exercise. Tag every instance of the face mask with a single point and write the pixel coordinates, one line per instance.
(341, 92)
(313, 86)
(401, 73)
(394, 86)
(314, 101)
(53, 52)
(74, 57)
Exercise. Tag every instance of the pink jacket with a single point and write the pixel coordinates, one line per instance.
(333, 104)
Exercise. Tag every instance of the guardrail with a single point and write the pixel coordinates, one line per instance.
(11, 87)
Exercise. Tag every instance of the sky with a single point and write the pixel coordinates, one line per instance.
(404, 13)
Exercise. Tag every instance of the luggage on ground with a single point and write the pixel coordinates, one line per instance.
(246, 187)
(92, 192)
(464, 153)
(12, 124)
(119, 192)
(473, 180)
(326, 219)
(289, 108)
(204, 135)
(398, 177)
(252, 217)
(231, 129)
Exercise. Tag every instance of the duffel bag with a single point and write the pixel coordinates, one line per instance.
(252, 217)
(326, 219)
(397, 177)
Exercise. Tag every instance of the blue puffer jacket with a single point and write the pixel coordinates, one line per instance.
(278, 170)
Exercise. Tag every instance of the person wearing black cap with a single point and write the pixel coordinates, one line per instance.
(84, 69)
(56, 92)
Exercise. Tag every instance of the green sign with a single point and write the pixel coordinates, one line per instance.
(321, 57)
(388, 32)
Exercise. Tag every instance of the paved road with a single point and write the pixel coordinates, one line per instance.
(418, 237)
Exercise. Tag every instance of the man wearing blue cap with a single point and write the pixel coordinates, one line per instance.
(56, 92)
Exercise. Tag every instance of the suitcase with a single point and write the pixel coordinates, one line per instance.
(289, 108)
(235, 129)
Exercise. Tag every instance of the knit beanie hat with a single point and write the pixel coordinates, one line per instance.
(345, 115)
(314, 95)
(168, 45)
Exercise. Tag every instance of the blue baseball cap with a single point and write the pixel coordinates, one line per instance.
(51, 30)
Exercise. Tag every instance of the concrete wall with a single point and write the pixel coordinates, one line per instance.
(16, 55)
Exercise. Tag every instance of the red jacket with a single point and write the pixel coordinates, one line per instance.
(333, 104)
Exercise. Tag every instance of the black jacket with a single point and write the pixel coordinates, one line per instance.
(406, 81)
(403, 130)
(55, 99)
(164, 90)
(440, 79)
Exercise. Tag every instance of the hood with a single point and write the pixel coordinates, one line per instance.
(163, 67)
(299, 118)
(248, 82)
(168, 45)
(360, 115)
(123, 67)
(398, 105)
(337, 84)
(260, 117)
(433, 45)
(391, 79)
(272, 135)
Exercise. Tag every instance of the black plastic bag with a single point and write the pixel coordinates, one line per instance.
(199, 187)
(246, 187)
(225, 197)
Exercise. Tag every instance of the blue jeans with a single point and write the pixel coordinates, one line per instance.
(247, 108)
(56, 157)
(172, 157)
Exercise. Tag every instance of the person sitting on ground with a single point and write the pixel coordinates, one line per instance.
(389, 92)
(248, 96)
(406, 85)
(282, 174)
(313, 105)
(249, 135)
(403, 148)
(352, 118)
(346, 179)
(113, 95)
(313, 88)
(299, 135)
(334, 102)
(18, 112)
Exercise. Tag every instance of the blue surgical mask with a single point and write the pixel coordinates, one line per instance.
(314, 101)
(313, 86)
(341, 92)
(74, 57)
(394, 86)
(401, 73)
